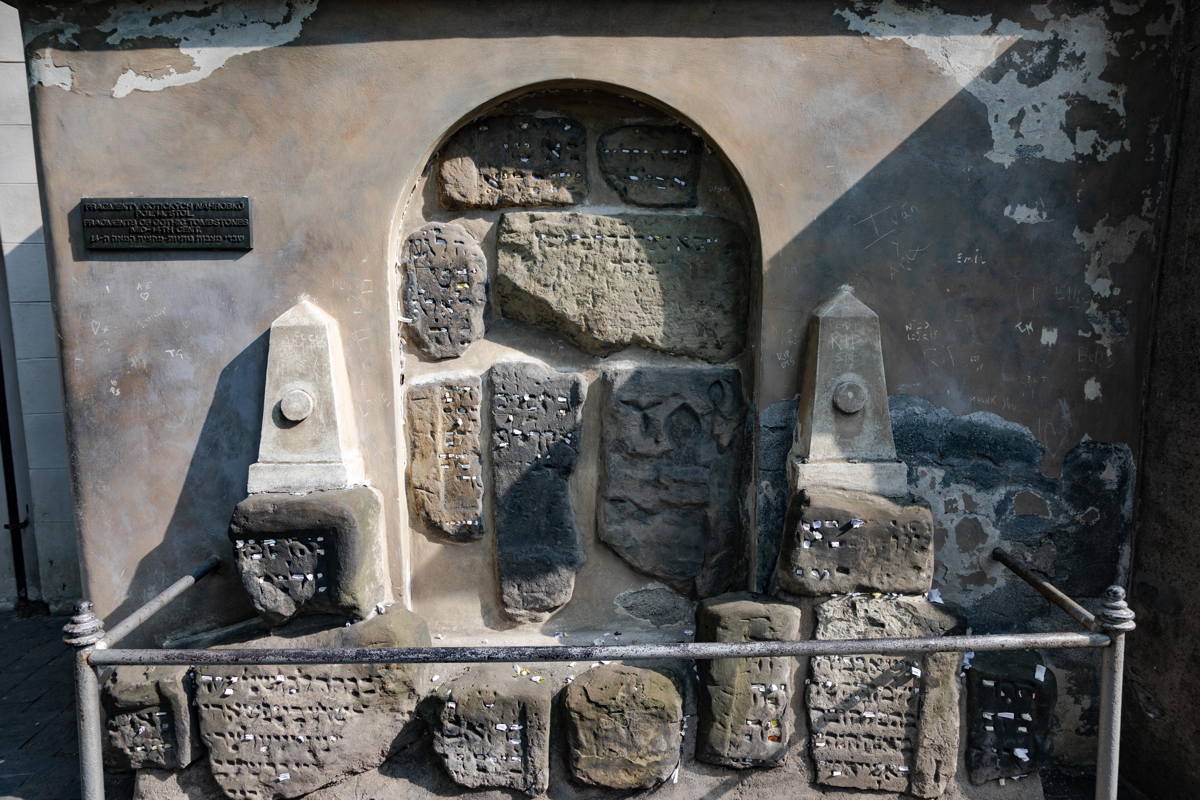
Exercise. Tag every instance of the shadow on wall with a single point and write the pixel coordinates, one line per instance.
(214, 484)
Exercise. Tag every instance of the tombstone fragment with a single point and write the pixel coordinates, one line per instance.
(308, 438)
(838, 542)
(665, 282)
(673, 475)
(884, 723)
(150, 722)
(445, 479)
(445, 288)
(1010, 703)
(279, 732)
(514, 161)
(536, 427)
(315, 553)
(652, 165)
(494, 730)
(623, 727)
(745, 705)
(843, 431)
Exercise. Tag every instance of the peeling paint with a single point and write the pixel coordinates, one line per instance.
(1028, 79)
(1109, 246)
(209, 33)
(44, 72)
(1026, 215)
(1091, 389)
(1049, 336)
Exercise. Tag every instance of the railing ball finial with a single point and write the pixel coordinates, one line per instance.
(1116, 616)
(84, 629)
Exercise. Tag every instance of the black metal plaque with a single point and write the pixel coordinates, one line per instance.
(166, 223)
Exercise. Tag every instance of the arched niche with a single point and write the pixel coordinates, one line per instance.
(607, 246)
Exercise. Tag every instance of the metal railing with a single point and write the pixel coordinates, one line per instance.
(94, 650)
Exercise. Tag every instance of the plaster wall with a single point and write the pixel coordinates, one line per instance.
(989, 182)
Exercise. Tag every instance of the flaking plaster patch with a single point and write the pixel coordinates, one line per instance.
(44, 72)
(209, 32)
(1091, 389)
(1026, 215)
(1029, 91)
(1109, 246)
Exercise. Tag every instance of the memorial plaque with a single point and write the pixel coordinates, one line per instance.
(445, 288)
(536, 421)
(839, 542)
(652, 165)
(884, 723)
(166, 223)
(746, 715)
(445, 480)
(674, 467)
(669, 282)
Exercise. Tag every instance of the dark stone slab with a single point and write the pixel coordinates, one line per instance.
(315, 553)
(536, 427)
(1010, 705)
(840, 541)
(884, 723)
(674, 472)
(150, 721)
(665, 282)
(514, 161)
(652, 165)
(279, 732)
(493, 729)
(445, 288)
(623, 727)
(445, 478)
(746, 717)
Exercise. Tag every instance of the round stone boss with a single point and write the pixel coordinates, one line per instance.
(296, 405)
(849, 395)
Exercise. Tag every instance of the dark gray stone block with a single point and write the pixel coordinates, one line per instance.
(746, 717)
(536, 426)
(674, 283)
(674, 475)
(445, 288)
(315, 553)
(652, 165)
(1010, 705)
(514, 161)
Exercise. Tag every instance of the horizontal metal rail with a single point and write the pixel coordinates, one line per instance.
(156, 603)
(1049, 591)
(685, 650)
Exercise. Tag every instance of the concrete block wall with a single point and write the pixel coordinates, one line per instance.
(29, 350)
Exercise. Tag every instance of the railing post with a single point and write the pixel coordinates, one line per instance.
(1116, 619)
(82, 633)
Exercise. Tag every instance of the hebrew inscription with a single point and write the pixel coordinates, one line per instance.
(1010, 703)
(664, 282)
(884, 723)
(536, 427)
(445, 479)
(674, 474)
(166, 223)
(745, 706)
(279, 732)
(495, 731)
(445, 288)
(514, 161)
(150, 722)
(652, 165)
(838, 542)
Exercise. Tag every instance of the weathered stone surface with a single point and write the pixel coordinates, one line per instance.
(494, 730)
(194, 783)
(838, 542)
(514, 161)
(276, 732)
(445, 479)
(150, 721)
(623, 727)
(316, 553)
(652, 165)
(1010, 704)
(666, 282)
(843, 430)
(674, 472)
(745, 706)
(536, 422)
(445, 288)
(308, 439)
(884, 723)
(658, 605)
